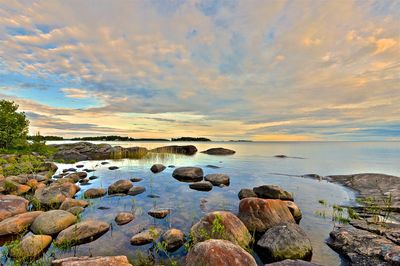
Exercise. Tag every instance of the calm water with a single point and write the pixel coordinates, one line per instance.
(253, 164)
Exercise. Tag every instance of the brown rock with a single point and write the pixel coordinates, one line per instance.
(157, 168)
(201, 186)
(219, 151)
(18, 223)
(82, 232)
(52, 222)
(294, 210)
(11, 205)
(188, 174)
(120, 186)
(31, 246)
(146, 237)
(56, 193)
(69, 203)
(124, 218)
(272, 192)
(246, 193)
(92, 193)
(159, 213)
(174, 239)
(92, 261)
(218, 179)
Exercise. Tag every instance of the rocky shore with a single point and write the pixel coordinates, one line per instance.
(267, 223)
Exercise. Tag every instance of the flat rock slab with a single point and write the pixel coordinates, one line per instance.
(11, 205)
(92, 261)
(82, 232)
(188, 174)
(219, 151)
(52, 222)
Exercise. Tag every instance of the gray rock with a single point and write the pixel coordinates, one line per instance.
(219, 151)
(246, 193)
(186, 149)
(188, 174)
(120, 186)
(218, 179)
(136, 190)
(146, 236)
(174, 239)
(52, 222)
(272, 192)
(202, 186)
(157, 168)
(92, 261)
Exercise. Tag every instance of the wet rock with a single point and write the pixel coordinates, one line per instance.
(174, 239)
(120, 186)
(292, 263)
(136, 190)
(113, 168)
(294, 210)
(218, 179)
(103, 208)
(157, 168)
(218, 252)
(171, 166)
(56, 193)
(69, 203)
(50, 166)
(153, 196)
(363, 247)
(272, 192)
(202, 186)
(159, 213)
(18, 223)
(219, 151)
(31, 246)
(212, 166)
(89, 170)
(82, 232)
(246, 193)
(124, 218)
(390, 230)
(52, 222)
(285, 241)
(93, 177)
(232, 229)
(186, 149)
(92, 193)
(136, 179)
(11, 205)
(79, 166)
(261, 214)
(104, 163)
(76, 210)
(188, 174)
(280, 156)
(83, 182)
(92, 261)
(146, 237)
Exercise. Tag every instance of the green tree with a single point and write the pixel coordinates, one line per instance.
(13, 125)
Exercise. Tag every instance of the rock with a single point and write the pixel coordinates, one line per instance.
(11, 205)
(121, 186)
(31, 246)
(219, 151)
(79, 166)
(22, 180)
(82, 232)
(136, 190)
(261, 214)
(232, 229)
(56, 193)
(390, 230)
(124, 218)
(313, 176)
(77, 176)
(146, 237)
(18, 223)
(363, 247)
(174, 239)
(69, 203)
(52, 222)
(113, 168)
(156, 168)
(84, 181)
(217, 179)
(188, 174)
(158, 213)
(93, 177)
(272, 192)
(212, 166)
(50, 166)
(218, 252)
(246, 193)
(104, 163)
(136, 179)
(284, 241)
(153, 196)
(76, 210)
(202, 186)
(92, 261)
(280, 156)
(32, 183)
(186, 149)
(292, 263)
(171, 166)
(92, 193)
(294, 210)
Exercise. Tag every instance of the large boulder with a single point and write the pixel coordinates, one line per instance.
(92, 261)
(69, 203)
(30, 247)
(11, 205)
(218, 252)
(56, 193)
(188, 174)
(157, 168)
(261, 214)
(219, 151)
(120, 187)
(18, 223)
(272, 192)
(146, 236)
(218, 179)
(173, 238)
(82, 232)
(52, 222)
(285, 241)
(92, 193)
(221, 225)
(186, 149)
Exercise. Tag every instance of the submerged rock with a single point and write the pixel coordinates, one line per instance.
(159, 213)
(259, 215)
(185, 149)
(285, 241)
(246, 193)
(157, 168)
(124, 218)
(31, 246)
(230, 228)
(188, 174)
(136, 179)
(146, 236)
(113, 168)
(120, 186)
(92, 261)
(174, 239)
(202, 186)
(136, 190)
(11, 205)
(94, 193)
(52, 222)
(219, 151)
(218, 252)
(82, 232)
(272, 192)
(18, 223)
(218, 179)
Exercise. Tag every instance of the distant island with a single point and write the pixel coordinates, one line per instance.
(115, 138)
(240, 140)
(190, 139)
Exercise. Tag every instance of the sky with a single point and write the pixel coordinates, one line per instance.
(259, 70)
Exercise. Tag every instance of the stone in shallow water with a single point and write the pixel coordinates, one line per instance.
(136, 190)
(157, 168)
(272, 192)
(153, 196)
(92, 261)
(69, 203)
(219, 151)
(294, 210)
(52, 222)
(124, 218)
(188, 174)
(218, 179)
(146, 236)
(174, 239)
(202, 186)
(82, 232)
(94, 193)
(113, 167)
(93, 177)
(76, 210)
(31, 246)
(120, 186)
(56, 193)
(159, 213)
(18, 223)
(136, 179)
(246, 193)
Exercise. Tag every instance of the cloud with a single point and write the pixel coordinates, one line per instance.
(75, 93)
